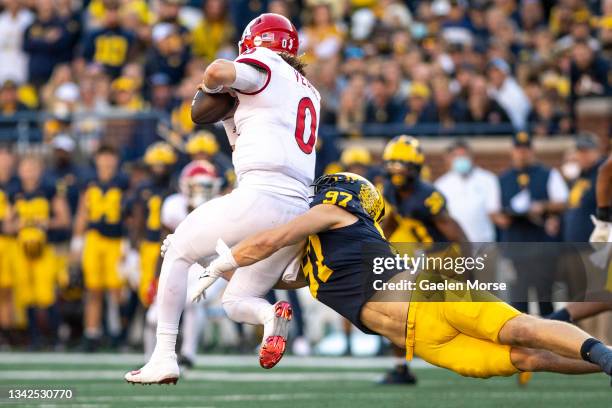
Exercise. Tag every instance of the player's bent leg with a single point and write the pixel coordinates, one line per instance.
(558, 337)
(532, 360)
(387, 319)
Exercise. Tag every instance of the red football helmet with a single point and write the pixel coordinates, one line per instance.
(271, 31)
(199, 182)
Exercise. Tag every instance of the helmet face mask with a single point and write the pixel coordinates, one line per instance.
(403, 159)
(402, 175)
(199, 183)
(271, 31)
(201, 190)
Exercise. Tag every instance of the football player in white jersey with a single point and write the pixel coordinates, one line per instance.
(198, 183)
(273, 132)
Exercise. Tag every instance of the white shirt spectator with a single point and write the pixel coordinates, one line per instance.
(13, 60)
(514, 101)
(470, 199)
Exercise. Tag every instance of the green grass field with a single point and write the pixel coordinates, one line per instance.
(237, 381)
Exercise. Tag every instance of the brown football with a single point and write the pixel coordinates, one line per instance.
(210, 108)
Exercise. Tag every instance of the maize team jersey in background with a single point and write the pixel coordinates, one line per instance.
(104, 202)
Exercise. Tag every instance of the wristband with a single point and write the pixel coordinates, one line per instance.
(224, 263)
(213, 90)
(604, 214)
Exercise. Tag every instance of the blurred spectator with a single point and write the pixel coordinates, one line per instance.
(14, 20)
(472, 193)
(161, 92)
(326, 82)
(181, 114)
(381, 107)
(351, 112)
(418, 97)
(444, 109)
(44, 41)
(71, 16)
(62, 74)
(507, 93)
(93, 101)
(577, 226)
(532, 196)
(214, 31)
(564, 12)
(169, 54)
(481, 108)
(589, 73)
(580, 32)
(111, 44)
(545, 120)
(9, 100)
(456, 26)
(125, 95)
(322, 38)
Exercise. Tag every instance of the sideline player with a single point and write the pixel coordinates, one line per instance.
(198, 184)
(97, 241)
(477, 339)
(274, 158)
(417, 213)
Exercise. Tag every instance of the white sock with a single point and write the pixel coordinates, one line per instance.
(165, 346)
(192, 318)
(251, 310)
(113, 318)
(170, 302)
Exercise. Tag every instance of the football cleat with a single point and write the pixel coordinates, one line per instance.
(275, 335)
(400, 375)
(161, 371)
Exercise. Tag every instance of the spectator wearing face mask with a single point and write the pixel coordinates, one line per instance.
(577, 225)
(472, 193)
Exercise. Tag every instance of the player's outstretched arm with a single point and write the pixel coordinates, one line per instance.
(317, 219)
(260, 246)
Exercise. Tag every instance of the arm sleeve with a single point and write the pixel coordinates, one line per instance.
(556, 187)
(249, 79)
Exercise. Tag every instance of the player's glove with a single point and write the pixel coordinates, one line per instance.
(602, 231)
(224, 263)
(165, 245)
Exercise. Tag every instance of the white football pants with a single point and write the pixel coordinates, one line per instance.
(233, 217)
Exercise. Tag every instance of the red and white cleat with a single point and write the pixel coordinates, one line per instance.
(161, 371)
(275, 335)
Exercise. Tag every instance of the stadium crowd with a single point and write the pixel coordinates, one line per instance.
(512, 64)
(506, 65)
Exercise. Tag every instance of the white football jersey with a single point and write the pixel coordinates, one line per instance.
(277, 128)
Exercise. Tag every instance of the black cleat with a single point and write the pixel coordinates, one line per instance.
(185, 362)
(400, 375)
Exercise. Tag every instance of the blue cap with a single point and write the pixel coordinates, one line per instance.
(500, 64)
(353, 52)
